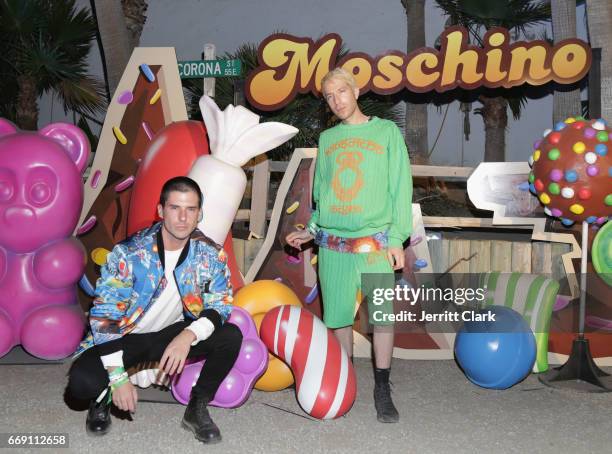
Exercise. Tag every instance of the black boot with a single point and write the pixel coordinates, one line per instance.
(198, 420)
(98, 417)
(385, 410)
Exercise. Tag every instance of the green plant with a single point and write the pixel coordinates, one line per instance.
(43, 48)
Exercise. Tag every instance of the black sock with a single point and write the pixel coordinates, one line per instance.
(381, 376)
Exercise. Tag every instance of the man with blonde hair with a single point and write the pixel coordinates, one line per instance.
(363, 194)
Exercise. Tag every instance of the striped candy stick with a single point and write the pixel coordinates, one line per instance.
(324, 375)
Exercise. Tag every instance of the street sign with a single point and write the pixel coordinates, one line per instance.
(209, 68)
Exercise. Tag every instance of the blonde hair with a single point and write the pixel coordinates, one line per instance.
(339, 73)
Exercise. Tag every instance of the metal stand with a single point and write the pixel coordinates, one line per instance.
(580, 371)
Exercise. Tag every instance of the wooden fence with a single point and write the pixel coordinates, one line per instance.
(470, 255)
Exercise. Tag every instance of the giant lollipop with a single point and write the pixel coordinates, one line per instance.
(572, 171)
(572, 176)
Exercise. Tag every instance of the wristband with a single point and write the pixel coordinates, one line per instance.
(117, 378)
(120, 381)
(116, 372)
(312, 228)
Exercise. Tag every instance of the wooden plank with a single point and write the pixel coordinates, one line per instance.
(251, 248)
(208, 84)
(459, 252)
(521, 257)
(244, 214)
(501, 256)
(541, 258)
(446, 247)
(443, 221)
(259, 197)
(558, 271)
(417, 170)
(441, 171)
(481, 262)
(238, 245)
(435, 253)
(279, 166)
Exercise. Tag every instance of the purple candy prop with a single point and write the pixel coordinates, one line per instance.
(41, 195)
(236, 388)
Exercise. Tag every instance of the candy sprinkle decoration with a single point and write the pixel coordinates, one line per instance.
(294, 206)
(98, 255)
(124, 184)
(95, 179)
(572, 171)
(147, 130)
(155, 96)
(125, 97)
(146, 71)
(119, 135)
(87, 225)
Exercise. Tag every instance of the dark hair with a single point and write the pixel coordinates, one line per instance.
(181, 184)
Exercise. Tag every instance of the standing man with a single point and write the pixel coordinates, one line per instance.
(164, 295)
(363, 195)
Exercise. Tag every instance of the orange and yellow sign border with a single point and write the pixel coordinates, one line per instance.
(289, 65)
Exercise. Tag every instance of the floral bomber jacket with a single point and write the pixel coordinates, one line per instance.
(133, 278)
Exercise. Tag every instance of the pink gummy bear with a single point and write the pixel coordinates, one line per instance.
(41, 195)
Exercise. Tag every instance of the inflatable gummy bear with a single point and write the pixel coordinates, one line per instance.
(41, 195)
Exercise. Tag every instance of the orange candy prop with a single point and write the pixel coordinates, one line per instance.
(257, 299)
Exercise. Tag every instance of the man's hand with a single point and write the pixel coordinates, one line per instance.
(173, 359)
(296, 239)
(125, 397)
(396, 257)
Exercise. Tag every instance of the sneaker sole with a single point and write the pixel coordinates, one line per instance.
(185, 425)
(97, 433)
(387, 421)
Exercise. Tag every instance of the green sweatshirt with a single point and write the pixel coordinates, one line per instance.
(362, 182)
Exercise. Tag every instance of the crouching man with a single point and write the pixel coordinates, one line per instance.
(164, 295)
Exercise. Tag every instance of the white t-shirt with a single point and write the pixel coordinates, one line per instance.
(167, 309)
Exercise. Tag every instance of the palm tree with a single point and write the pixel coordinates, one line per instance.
(599, 13)
(115, 41)
(565, 103)
(306, 112)
(416, 114)
(135, 18)
(43, 48)
(478, 16)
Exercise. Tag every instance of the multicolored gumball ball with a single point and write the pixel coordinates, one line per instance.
(572, 171)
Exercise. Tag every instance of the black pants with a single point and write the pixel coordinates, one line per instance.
(88, 377)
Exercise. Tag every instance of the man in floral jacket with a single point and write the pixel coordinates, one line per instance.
(164, 295)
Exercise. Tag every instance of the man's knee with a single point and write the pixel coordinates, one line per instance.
(230, 337)
(84, 383)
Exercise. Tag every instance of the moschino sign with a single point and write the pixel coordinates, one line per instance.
(289, 65)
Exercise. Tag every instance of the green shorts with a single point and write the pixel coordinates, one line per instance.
(340, 276)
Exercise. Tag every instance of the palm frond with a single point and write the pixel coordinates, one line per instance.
(48, 41)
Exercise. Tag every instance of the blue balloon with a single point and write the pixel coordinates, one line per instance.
(496, 354)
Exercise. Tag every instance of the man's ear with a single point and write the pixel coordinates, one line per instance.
(160, 211)
(201, 216)
(356, 92)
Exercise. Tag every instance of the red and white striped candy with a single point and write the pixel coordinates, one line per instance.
(324, 375)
